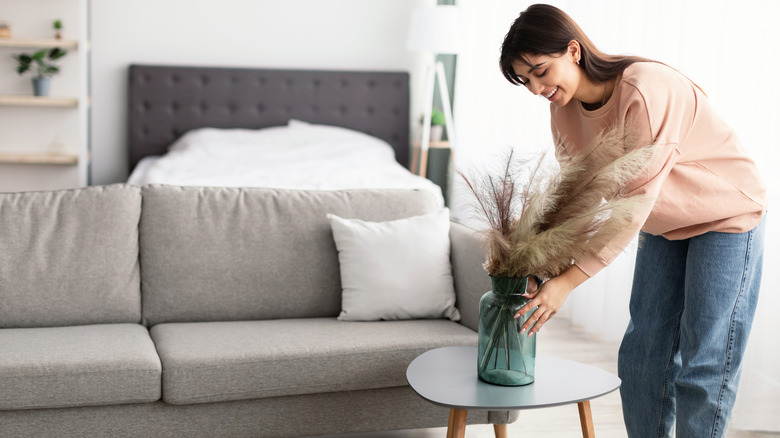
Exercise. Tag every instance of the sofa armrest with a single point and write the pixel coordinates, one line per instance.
(471, 280)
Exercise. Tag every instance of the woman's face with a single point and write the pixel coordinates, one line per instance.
(556, 78)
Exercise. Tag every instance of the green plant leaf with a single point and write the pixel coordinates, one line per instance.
(437, 118)
(57, 53)
(24, 61)
(42, 66)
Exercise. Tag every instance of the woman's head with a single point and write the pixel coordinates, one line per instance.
(546, 30)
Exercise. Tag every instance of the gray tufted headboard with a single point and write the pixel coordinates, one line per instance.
(167, 101)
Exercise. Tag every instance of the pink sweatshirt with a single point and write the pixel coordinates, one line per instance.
(700, 179)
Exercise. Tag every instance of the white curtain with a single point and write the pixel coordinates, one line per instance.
(726, 47)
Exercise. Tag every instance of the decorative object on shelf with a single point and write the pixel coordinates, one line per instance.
(505, 356)
(541, 221)
(57, 25)
(43, 68)
(438, 120)
(435, 30)
(5, 29)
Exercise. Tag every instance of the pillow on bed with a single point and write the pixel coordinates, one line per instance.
(395, 270)
(296, 137)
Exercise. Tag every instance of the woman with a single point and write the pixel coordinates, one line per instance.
(698, 267)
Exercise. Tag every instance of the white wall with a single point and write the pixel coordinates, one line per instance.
(40, 129)
(310, 34)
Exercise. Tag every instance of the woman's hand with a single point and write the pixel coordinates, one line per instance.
(548, 298)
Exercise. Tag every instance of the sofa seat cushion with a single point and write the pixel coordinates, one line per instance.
(90, 365)
(222, 361)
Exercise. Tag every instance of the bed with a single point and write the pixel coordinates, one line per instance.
(301, 129)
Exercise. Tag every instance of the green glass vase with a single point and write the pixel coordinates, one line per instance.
(504, 356)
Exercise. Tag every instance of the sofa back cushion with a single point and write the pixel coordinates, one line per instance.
(70, 257)
(227, 254)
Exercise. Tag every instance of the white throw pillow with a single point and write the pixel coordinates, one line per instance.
(395, 270)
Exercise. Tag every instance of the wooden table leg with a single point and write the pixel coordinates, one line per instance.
(500, 430)
(586, 419)
(457, 424)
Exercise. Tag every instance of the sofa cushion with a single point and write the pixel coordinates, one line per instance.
(88, 365)
(230, 254)
(220, 361)
(70, 257)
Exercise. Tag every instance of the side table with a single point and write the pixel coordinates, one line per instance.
(448, 377)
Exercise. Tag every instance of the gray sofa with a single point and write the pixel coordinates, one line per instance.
(202, 312)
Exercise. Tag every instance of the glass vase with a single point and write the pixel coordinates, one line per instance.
(504, 356)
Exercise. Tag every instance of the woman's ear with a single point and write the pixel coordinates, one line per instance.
(573, 49)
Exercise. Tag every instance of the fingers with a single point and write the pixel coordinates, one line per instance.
(536, 321)
(544, 303)
(529, 306)
(532, 289)
(540, 315)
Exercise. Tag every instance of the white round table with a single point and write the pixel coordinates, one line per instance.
(448, 377)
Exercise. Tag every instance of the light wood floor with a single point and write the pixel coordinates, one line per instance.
(558, 338)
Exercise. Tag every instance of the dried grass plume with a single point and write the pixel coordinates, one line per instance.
(539, 221)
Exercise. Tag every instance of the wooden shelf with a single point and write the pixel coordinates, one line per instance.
(45, 101)
(433, 144)
(61, 158)
(38, 43)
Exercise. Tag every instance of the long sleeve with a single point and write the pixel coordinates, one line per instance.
(699, 179)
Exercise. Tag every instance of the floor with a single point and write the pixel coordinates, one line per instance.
(560, 339)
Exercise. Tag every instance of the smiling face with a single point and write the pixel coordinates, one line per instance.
(559, 78)
(556, 78)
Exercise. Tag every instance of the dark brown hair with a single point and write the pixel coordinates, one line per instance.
(546, 30)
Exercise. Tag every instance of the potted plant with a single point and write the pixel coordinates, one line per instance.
(437, 124)
(57, 25)
(41, 63)
(538, 222)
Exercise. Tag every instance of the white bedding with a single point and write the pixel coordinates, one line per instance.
(297, 156)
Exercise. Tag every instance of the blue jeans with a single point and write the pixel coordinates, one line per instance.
(692, 305)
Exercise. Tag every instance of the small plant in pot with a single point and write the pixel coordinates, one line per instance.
(437, 124)
(57, 25)
(40, 63)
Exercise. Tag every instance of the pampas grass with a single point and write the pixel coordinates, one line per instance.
(539, 221)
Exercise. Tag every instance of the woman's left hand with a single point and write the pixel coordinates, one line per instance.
(549, 298)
